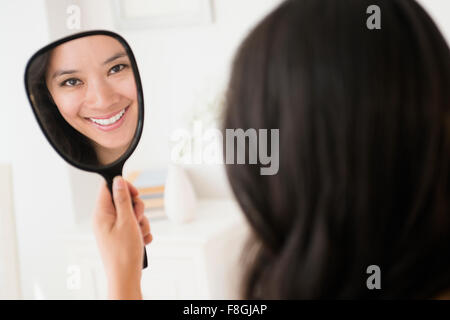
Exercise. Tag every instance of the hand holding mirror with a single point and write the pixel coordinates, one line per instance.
(86, 94)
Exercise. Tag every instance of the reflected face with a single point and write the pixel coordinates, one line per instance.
(92, 83)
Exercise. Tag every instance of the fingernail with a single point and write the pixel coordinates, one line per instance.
(118, 183)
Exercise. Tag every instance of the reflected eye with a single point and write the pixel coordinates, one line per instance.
(117, 68)
(72, 82)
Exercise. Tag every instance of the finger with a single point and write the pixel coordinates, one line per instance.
(139, 208)
(148, 238)
(122, 199)
(133, 191)
(145, 227)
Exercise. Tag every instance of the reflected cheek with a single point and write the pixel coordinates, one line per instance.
(69, 107)
(127, 89)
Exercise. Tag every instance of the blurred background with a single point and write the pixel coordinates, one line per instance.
(183, 50)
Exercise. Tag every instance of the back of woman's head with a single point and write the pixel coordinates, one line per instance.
(364, 151)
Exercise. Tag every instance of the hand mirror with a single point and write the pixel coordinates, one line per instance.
(86, 94)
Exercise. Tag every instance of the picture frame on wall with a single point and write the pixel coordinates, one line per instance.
(148, 14)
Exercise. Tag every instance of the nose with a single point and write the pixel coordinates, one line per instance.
(100, 95)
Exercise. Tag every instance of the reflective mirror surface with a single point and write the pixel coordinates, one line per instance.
(84, 95)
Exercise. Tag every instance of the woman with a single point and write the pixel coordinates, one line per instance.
(364, 156)
(85, 94)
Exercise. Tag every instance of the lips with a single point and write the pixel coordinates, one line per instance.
(109, 122)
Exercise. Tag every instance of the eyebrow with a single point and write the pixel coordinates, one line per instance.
(114, 57)
(62, 72)
(59, 73)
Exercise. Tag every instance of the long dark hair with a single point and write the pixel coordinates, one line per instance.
(364, 126)
(68, 140)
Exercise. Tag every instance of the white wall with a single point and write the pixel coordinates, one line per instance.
(180, 69)
(439, 10)
(41, 190)
(9, 267)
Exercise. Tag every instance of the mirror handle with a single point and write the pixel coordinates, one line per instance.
(109, 180)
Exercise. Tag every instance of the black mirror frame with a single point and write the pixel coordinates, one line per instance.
(111, 170)
(115, 168)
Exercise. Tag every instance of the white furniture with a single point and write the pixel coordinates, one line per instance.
(9, 275)
(197, 260)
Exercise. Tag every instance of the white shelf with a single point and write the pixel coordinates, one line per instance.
(196, 260)
(212, 217)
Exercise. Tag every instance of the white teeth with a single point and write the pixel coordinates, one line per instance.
(107, 122)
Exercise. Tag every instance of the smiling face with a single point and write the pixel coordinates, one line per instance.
(92, 83)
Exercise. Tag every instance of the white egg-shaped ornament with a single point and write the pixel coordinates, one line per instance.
(180, 200)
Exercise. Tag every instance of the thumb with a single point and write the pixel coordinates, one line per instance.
(104, 201)
(104, 209)
(122, 199)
